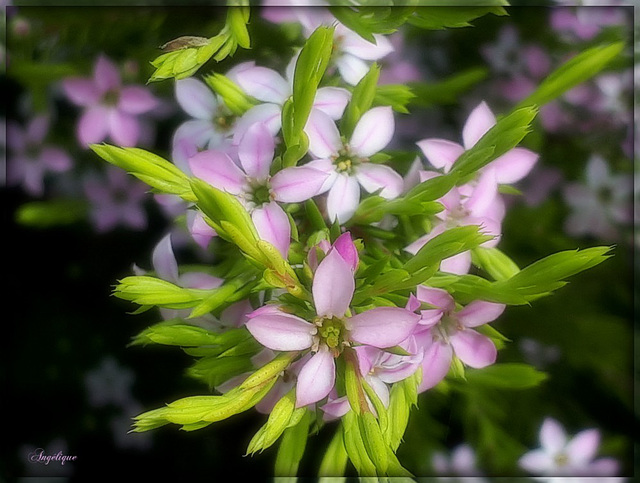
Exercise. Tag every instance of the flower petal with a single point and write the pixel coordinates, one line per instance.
(343, 198)
(363, 49)
(435, 364)
(264, 84)
(513, 165)
(217, 169)
(316, 378)
(268, 114)
(164, 261)
(55, 159)
(200, 230)
(373, 131)
(458, 264)
(124, 128)
(582, 448)
(440, 152)
(256, 151)
(474, 349)
(383, 326)
(93, 125)
(82, 92)
(333, 286)
(436, 297)
(347, 250)
(324, 137)
(273, 226)
(106, 75)
(332, 101)
(281, 331)
(478, 123)
(352, 69)
(196, 98)
(200, 280)
(373, 177)
(537, 462)
(552, 436)
(136, 100)
(483, 195)
(293, 185)
(479, 312)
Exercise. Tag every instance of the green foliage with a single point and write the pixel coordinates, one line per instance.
(233, 96)
(361, 100)
(448, 90)
(505, 376)
(46, 214)
(439, 18)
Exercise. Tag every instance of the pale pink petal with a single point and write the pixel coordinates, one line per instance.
(351, 68)
(106, 75)
(440, 152)
(413, 303)
(380, 388)
(324, 137)
(474, 349)
(333, 286)
(264, 84)
(478, 123)
(33, 175)
(55, 159)
(82, 92)
(282, 331)
(430, 317)
(196, 98)
(236, 314)
(373, 131)
(336, 408)
(326, 166)
(345, 247)
(164, 261)
(199, 280)
(316, 378)
(136, 100)
(293, 185)
(383, 326)
(537, 462)
(268, 114)
(256, 150)
(343, 199)
(483, 194)
(37, 129)
(16, 137)
(459, 264)
(582, 448)
(124, 128)
(479, 312)
(513, 165)
(552, 436)
(437, 297)
(604, 467)
(353, 44)
(463, 461)
(332, 101)
(217, 169)
(435, 364)
(200, 230)
(414, 247)
(93, 125)
(273, 226)
(374, 177)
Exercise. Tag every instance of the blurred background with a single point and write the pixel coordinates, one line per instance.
(74, 228)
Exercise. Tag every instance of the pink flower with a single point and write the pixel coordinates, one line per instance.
(461, 462)
(29, 158)
(111, 109)
(560, 456)
(252, 183)
(269, 87)
(331, 330)
(118, 201)
(444, 331)
(347, 164)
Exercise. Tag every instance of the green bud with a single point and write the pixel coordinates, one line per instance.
(271, 370)
(494, 262)
(145, 290)
(374, 441)
(234, 97)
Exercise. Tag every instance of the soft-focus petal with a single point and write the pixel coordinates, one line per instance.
(281, 331)
(136, 100)
(293, 185)
(373, 131)
(272, 224)
(373, 177)
(106, 75)
(256, 151)
(264, 84)
(37, 129)
(513, 165)
(483, 194)
(124, 128)
(324, 137)
(343, 198)
(200, 280)
(268, 114)
(332, 101)
(383, 326)
(200, 230)
(336, 408)
(459, 264)
(82, 92)
(474, 349)
(351, 68)
(164, 261)
(537, 462)
(478, 123)
(55, 159)
(333, 286)
(345, 247)
(93, 125)
(436, 297)
(217, 169)
(435, 364)
(316, 378)
(196, 98)
(582, 448)
(479, 312)
(552, 436)
(440, 152)
(363, 49)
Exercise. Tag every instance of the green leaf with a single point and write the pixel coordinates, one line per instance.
(216, 370)
(334, 461)
(510, 375)
(366, 20)
(494, 262)
(361, 100)
(446, 91)
(46, 214)
(292, 446)
(577, 70)
(438, 18)
(398, 96)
